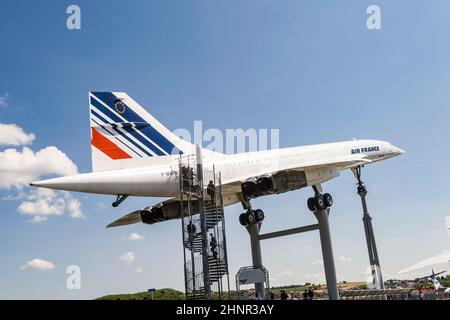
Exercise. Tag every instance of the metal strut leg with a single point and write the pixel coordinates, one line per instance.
(253, 230)
(368, 230)
(322, 211)
(327, 253)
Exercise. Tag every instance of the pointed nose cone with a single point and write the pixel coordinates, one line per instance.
(55, 183)
(69, 183)
(398, 151)
(42, 183)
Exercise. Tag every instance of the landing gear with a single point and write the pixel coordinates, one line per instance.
(320, 202)
(251, 217)
(328, 200)
(311, 204)
(119, 200)
(243, 219)
(259, 215)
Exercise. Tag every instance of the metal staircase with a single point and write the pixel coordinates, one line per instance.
(198, 201)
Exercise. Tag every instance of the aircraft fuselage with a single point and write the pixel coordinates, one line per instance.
(162, 180)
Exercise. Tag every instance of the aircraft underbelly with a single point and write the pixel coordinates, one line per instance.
(317, 176)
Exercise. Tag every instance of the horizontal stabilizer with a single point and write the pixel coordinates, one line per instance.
(130, 218)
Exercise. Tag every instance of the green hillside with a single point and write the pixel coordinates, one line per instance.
(160, 294)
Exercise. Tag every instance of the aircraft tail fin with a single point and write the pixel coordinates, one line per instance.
(125, 135)
(437, 285)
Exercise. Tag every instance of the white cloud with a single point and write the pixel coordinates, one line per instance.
(74, 208)
(38, 218)
(13, 135)
(42, 203)
(447, 224)
(134, 237)
(128, 257)
(345, 259)
(138, 270)
(38, 264)
(4, 100)
(315, 277)
(17, 196)
(443, 257)
(285, 273)
(19, 168)
(318, 262)
(101, 205)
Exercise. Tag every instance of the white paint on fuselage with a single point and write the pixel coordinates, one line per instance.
(162, 180)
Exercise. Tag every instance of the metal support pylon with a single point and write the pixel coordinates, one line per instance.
(327, 253)
(253, 230)
(322, 213)
(368, 230)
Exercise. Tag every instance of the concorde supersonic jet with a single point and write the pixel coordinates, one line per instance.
(133, 154)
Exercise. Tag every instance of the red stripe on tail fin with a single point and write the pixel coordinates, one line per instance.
(107, 147)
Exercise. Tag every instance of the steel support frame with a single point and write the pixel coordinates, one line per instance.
(325, 239)
(368, 230)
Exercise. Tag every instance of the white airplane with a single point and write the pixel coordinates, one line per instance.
(133, 154)
(439, 288)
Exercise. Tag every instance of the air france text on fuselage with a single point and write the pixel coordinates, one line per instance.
(365, 149)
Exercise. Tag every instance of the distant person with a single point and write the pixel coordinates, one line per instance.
(305, 295)
(421, 293)
(283, 295)
(257, 296)
(272, 296)
(185, 177)
(211, 190)
(191, 175)
(191, 229)
(310, 294)
(213, 245)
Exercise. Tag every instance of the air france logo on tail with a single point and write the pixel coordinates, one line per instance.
(119, 106)
(122, 129)
(107, 147)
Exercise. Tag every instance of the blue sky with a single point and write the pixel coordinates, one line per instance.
(310, 68)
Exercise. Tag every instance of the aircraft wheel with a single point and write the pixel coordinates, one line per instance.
(318, 202)
(311, 204)
(259, 215)
(243, 219)
(250, 217)
(328, 200)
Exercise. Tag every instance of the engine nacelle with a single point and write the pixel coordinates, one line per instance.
(161, 212)
(274, 184)
(167, 211)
